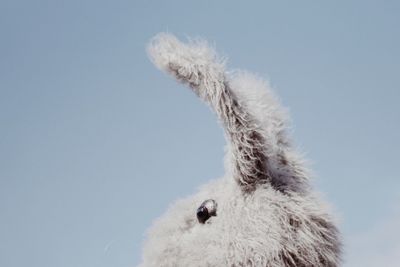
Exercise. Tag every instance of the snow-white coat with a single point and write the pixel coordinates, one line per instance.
(265, 211)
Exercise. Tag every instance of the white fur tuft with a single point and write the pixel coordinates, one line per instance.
(267, 214)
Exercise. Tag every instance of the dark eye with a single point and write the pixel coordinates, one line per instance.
(207, 209)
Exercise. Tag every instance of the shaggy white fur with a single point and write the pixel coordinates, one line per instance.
(266, 212)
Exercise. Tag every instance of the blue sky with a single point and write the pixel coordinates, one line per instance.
(95, 142)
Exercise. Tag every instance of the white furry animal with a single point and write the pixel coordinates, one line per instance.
(263, 211)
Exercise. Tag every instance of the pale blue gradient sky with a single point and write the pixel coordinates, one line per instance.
(95, 142)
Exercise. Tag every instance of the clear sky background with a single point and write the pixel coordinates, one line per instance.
(95, 142)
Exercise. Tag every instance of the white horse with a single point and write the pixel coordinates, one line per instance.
(263, 212)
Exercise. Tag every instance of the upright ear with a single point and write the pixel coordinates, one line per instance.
(253, 121)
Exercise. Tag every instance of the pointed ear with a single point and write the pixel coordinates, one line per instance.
(251, 116)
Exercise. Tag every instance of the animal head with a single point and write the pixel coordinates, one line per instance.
(262, 212)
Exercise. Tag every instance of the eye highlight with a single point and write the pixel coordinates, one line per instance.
(207, 209)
